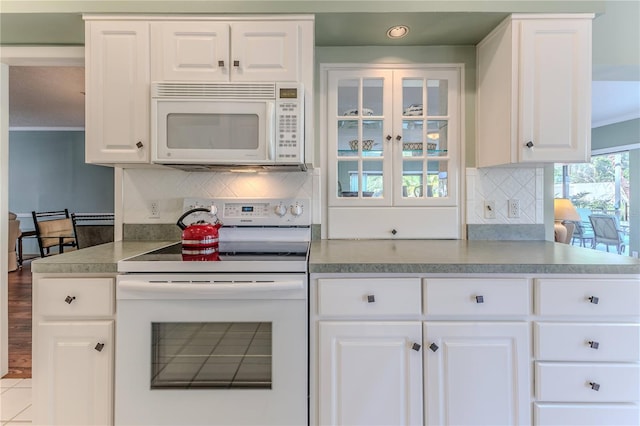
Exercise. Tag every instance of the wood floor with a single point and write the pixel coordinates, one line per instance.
(19, 299)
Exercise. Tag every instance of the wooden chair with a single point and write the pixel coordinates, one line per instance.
(606, 230)
(53, 229)
(92, 229)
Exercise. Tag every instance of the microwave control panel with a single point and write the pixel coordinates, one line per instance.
(289, 131)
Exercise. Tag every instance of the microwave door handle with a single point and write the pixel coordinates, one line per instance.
(271, 133)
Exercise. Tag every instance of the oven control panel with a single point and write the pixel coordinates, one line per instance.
(252, 212)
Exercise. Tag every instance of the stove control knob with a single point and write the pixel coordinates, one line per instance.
(296, 209)
(214, 209)
(281, 210)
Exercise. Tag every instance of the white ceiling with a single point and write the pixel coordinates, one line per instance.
(53, 97)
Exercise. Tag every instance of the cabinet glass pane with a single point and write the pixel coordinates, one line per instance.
(437, 140)
(348, 96)
(412, 179)
(372, 179)
(413, 184)
(347, 132)
(348, 179)
(437, 179)
(356, 182)
(372, 97)
(412, 99)
(437, 97)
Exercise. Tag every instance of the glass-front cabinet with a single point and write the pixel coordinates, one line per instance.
(393, 136)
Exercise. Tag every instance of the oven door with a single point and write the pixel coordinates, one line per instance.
(229, 350)
(206, 131)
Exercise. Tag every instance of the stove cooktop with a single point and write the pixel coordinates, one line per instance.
(241, 257)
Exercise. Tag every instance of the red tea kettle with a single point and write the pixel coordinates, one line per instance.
(201, 234)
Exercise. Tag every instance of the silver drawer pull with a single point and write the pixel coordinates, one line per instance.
(594, 300)
(371, 298)
(69, 299)
(595, 386)
(593, 344)
(479, 299)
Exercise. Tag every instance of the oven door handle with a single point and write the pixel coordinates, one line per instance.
(210, 288)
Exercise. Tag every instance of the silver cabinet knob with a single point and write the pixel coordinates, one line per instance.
(221, 64)
(416, 347)
(371, 298)
(69, 299)
(99, 347)
(594, 300)
(433, 347)
(529, 144)
(595, 386)
(139, 144)
(479, 299)
(236, 64)
(593, 344)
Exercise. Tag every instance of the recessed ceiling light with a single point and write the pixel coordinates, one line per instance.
(398, 31)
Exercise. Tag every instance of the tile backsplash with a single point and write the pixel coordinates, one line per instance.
(500, 185)
(169, 187)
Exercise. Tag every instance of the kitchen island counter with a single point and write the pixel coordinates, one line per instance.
(389, 256)
(464, 257)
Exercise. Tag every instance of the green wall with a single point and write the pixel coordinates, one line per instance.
(617, 134)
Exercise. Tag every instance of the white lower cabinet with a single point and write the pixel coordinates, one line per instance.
(587, 352)
(371, 373)
(477, 373)
(73, 350)
(75, 360)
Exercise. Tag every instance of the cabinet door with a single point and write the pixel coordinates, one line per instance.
(265, 51)
(369, 373)
(555, 107)
(426, 136)
(117, 98)
(477, 373)
(360, 129)
(73, 373)
(190, 51)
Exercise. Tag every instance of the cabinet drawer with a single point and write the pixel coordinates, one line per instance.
(76, 297)
(572, 382)
(586, 415)
(587, 342)
(476, 297)
(369, 297)
(588, 297)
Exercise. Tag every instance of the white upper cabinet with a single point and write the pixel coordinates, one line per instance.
(117, 98)
(227, 51)
(393, 140)
(534, 91)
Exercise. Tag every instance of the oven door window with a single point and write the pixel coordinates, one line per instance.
(211, 355)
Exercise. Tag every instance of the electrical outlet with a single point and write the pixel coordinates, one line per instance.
(489, 209)
(513, 209)
(154, 209)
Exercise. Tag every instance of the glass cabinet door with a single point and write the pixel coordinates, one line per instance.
(360, 103)
(392, 137)
(423, 163)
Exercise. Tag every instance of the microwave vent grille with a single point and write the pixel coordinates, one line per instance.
(167, 90)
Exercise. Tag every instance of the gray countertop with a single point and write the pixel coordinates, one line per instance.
(462, 256)
(389, 256)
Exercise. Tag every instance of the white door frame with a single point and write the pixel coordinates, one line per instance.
(19, 56)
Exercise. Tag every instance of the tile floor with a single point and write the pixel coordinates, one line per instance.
(15, 402)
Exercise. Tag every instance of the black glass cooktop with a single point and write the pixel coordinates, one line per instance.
(233, 251)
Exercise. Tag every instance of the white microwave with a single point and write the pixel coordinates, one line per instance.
(204, 126)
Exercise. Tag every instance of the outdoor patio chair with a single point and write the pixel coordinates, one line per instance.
(606, 230)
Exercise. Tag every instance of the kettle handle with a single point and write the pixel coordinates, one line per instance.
(181, 224)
